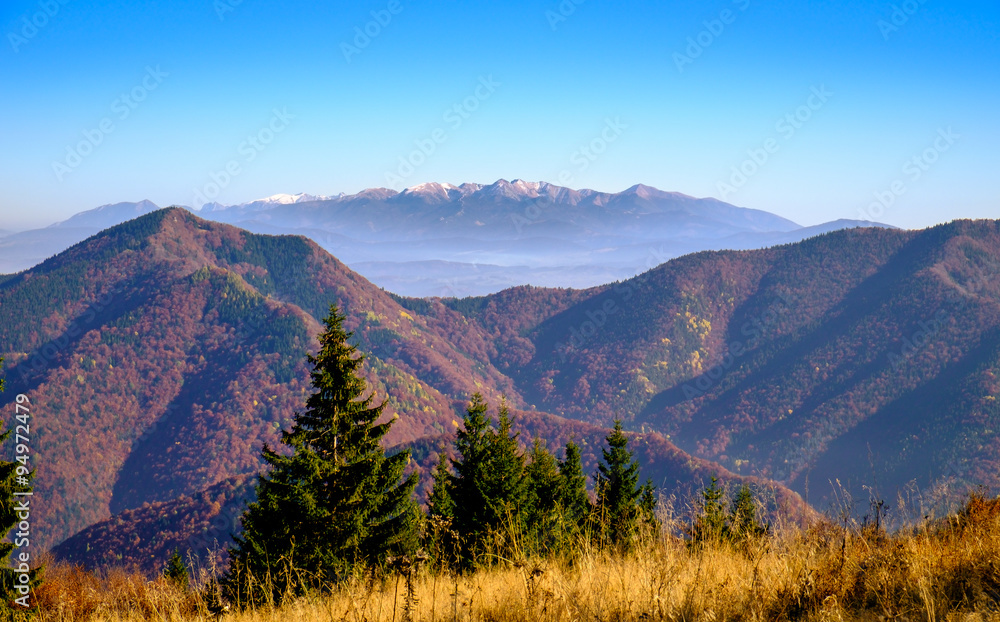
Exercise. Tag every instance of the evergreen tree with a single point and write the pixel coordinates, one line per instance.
(472, 509)
(505, 483)
(13, 602)
(337, 500)
(647, 504)
(440, 504)
(743, 523)
(618, 490)
(572, 493)
(543, 514)
(440, 539)
(710, 525)
(176, 571)
(488, 487)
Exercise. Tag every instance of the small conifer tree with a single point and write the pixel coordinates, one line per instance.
(472, 510)
(506, 482)
(440, 504)
(176, 571)
(573, 487)
(710, 524)
(439, 538)
(743, 522)
(618, 490)
(647, 505)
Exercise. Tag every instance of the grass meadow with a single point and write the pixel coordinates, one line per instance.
(943, 570)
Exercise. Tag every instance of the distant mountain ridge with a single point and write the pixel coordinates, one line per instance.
(105, 216)
(439, 239)
(507, 208)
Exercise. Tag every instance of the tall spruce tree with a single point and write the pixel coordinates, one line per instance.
(505, 483)
(472, 514)
(543, 514)
(573, 487)
(618, 491)
(488, 487)
(337, 500)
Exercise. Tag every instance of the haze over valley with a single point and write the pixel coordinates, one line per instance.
(437, 239)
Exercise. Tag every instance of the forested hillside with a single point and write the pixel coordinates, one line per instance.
(164, 352)
(868, 356)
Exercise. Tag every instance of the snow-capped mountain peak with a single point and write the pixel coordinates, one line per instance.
(288, 199)
(526, 186)
(433, 191)
(430, 187)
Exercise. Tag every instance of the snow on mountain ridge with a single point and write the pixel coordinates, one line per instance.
(288, 199)
(518, 189)
(430, 186)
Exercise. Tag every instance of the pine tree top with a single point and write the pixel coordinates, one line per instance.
(338, 414)
(618, 468)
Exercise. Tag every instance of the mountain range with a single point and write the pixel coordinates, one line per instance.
(160, 355)
(438, 239)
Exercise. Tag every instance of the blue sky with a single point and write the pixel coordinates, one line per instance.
(893, 104)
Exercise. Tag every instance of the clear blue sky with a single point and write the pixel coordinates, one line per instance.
(211, 74)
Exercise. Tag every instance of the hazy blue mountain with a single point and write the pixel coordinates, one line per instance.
(20, 251)
(105, 216)
(437, 239)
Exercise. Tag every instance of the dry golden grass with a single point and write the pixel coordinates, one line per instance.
(947, 571)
